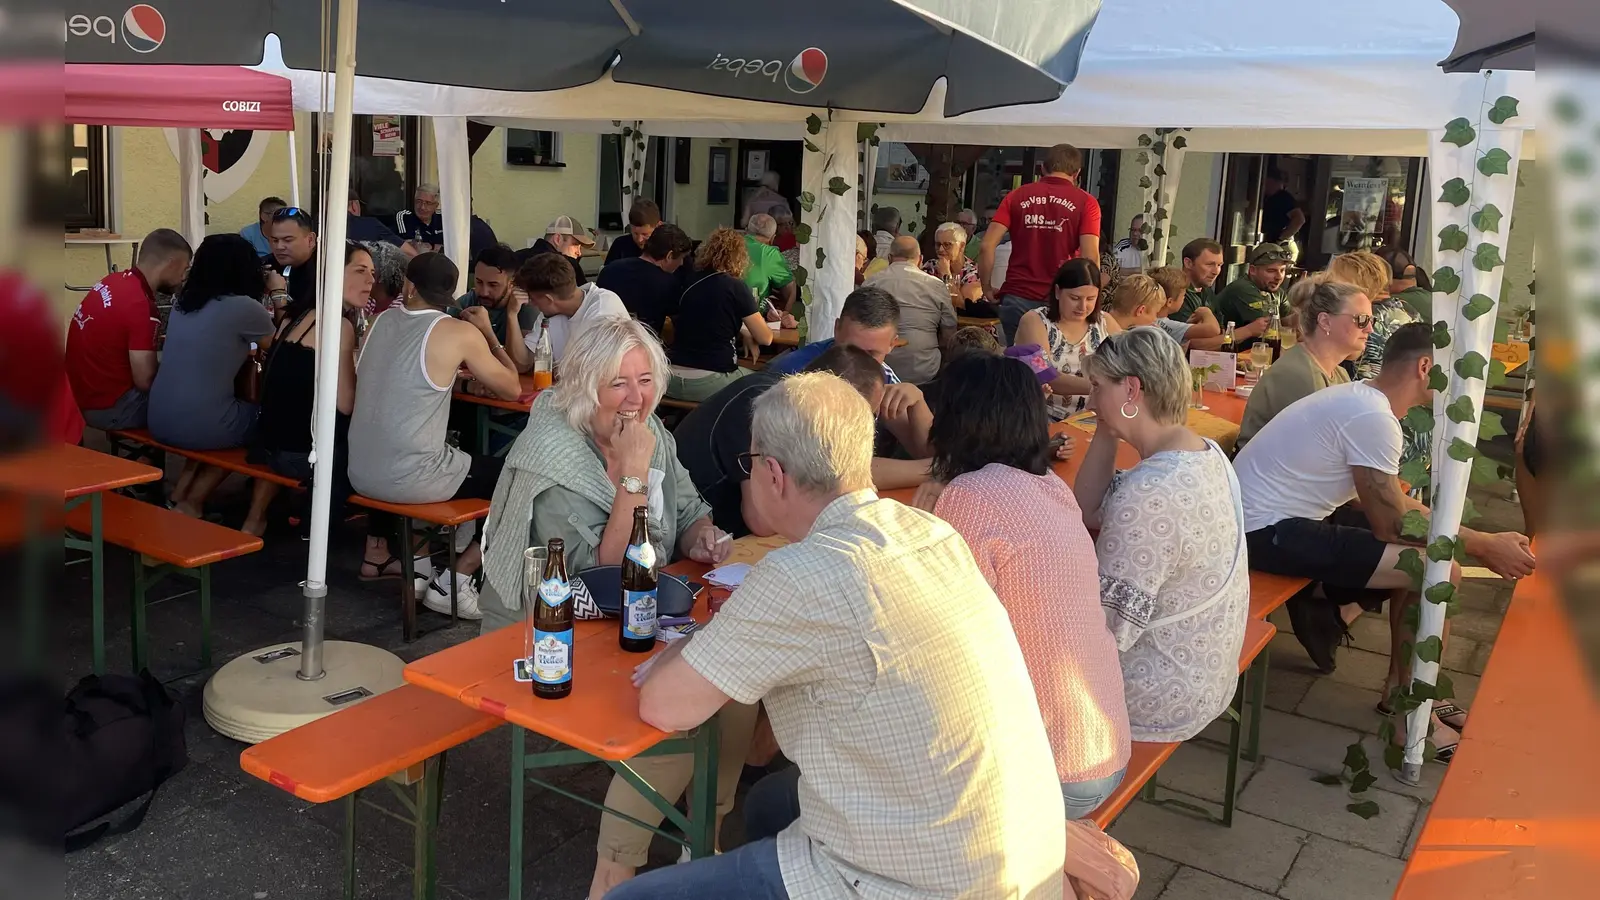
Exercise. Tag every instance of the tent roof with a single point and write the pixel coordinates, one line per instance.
(178, 97)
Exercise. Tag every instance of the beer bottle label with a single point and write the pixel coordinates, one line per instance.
(554, 591)
(552, 657)
(639, 614)
(643, 554)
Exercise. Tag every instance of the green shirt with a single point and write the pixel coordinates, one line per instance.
(767, 271)
(974, 247)
(1241, 302)
(1295, 375)
(1193, 299)
(1420, 300)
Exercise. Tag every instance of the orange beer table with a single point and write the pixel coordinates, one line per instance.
(598, 721)
(1518, 813)
(77, 475)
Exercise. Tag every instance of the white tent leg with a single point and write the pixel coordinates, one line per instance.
(294, 171)
(192, 189)
(455, 192)
(1166, 168)
(833, 223)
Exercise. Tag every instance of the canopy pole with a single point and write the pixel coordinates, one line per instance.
(329, 320)
(828, 182)
(192, 189)
(455, 193)
(294, 172)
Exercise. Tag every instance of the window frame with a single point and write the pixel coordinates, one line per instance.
(98, 214)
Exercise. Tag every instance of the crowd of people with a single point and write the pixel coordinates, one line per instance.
(1092, 614)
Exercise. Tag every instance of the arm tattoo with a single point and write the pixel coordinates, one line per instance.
(1387, 503)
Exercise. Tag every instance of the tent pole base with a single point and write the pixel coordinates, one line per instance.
(260, 694)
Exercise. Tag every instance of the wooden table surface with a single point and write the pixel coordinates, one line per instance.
(521, 404)
(71, 471)
(1518, 813)
(785, 337)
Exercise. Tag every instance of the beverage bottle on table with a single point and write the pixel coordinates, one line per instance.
(1274, 336)
(638, 632)
(543, 361)
(552, 661)
(1228, 344)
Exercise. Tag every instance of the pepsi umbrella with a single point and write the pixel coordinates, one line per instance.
(865, 55)
(1495, 34)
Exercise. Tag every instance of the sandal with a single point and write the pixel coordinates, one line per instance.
(381, 570)
(1448, 713)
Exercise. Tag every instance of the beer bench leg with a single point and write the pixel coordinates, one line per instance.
(408, 579)
(1258, 701)
(146, 577)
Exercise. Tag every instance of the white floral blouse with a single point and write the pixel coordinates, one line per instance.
(1068, 358)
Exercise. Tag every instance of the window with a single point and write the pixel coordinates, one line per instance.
(84, 204)
(652, 183)
(383, 169)
(533, 148)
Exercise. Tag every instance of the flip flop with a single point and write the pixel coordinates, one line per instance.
(381, 568)
(1451, 715)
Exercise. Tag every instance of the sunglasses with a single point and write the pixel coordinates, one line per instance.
(295, 213)
(1360, 320)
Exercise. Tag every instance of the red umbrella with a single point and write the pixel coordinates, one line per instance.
(178, 97)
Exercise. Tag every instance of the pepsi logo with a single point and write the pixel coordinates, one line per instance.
(807, 71)
(143, 28)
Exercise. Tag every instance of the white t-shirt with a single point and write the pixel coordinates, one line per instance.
(597, 304)
(1298, 466)
(1178, 330)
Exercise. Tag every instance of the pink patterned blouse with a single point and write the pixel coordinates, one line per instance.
(1027, 534)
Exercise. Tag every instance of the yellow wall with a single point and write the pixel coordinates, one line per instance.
(1188, 210)
(689, 209)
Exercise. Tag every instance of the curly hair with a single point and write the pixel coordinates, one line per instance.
(724, 251)
(388, 268)
(225, 264)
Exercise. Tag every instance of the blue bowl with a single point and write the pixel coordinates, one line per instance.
(674, 596)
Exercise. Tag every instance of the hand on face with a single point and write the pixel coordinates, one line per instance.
(898, 400)
(632, 444)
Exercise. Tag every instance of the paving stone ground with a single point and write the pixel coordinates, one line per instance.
(215, 833)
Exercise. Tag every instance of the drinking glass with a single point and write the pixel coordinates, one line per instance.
(533, 560)
(1198, 379)
(1261, 357)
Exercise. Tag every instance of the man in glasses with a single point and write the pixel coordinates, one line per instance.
(422, 224)
(293, 237)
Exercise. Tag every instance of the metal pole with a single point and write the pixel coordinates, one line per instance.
(329, 318)
(294, 171)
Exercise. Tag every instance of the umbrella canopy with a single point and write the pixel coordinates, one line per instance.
(179, 97)
(869, 55)
(1496, 34)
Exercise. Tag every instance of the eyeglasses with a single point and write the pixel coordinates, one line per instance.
(295, 213)
(747, 462)
(1360, 320)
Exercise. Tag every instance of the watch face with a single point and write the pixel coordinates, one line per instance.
(632, 485)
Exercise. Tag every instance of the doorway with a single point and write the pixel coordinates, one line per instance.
(385, 164)
(755, 160)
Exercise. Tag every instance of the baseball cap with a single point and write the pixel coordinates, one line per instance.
(1033, 355)
(569, 225)
(1267, 254)
(433, 276)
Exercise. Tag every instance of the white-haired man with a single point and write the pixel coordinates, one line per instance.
(422, 224)
(968, 220)
(889, 797)
(768, 275)
(764, 200)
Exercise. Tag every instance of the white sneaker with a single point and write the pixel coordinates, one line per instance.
(437, 596)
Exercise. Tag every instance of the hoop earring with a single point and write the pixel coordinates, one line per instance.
(1124, 410)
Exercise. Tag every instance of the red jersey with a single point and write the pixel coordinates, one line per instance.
(116, 316)
(1045, 220)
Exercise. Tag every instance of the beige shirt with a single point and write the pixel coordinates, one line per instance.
(893, 678)
(1295, 375)
(925, 308)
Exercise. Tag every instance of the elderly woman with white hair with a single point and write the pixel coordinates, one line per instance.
(959, 274)
(1174, 579)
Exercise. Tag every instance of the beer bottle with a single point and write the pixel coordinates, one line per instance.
(638, 634)
(1274, 337)
(552, 628)
(1228, 345)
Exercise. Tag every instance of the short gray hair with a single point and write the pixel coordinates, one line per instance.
(388, 267)
(953, 229)
(885, 218)
(762, 225)
(1152, 356)
(593, 358)
(819, 429)
(967, 215)
(427, 187)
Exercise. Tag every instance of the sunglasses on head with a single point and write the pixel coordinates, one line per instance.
(295, 213)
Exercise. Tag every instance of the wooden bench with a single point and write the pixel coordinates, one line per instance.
(389, 736)
(184, 546)
(1269, 592)
(232, 460)
(442, 519)
(1146, 758)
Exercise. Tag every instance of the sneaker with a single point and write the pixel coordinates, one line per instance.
(437, 596)
(1319, 629)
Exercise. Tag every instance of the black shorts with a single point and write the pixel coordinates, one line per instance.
(1340, 551)
(482, 475)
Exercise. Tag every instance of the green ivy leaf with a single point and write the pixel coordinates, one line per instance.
(1161, 214)
(1148, 204)
(1576, 162)
(1446, 281)
(1144, 140)
(1459, 131)
(822, 257)
(1487, 257)
(1394, 756)
(801, 276)
(1143, 158)
(1355, 757)
(1485, 470)
(1410, 562)
(1477, 306)
(1362, 781)
(1503, 109)
(1144, 227)
(1329, 780)
(808, 201)
(1584, 218)
(1414, 525)
(1441, 335)
(1455, 192)
(1443, 592)
(1422, 690)
(866, 131)
(802, 233)
(1158, 233)
(1452, 238)
(1461, 451)
(1160, 170)
(1411, 617)
(813, 124)
(1487, 219)
(1430, 649)
(1441, 550)
(1144, 245)
(1471, 365)
(626, 190)
(838, 186)
(1567, 108)
(1159, 148)
(810, 147)
(1180, 142)
(1490, 426)
(1495, 162)
(1366, 809)
(1461, 410)
(1497, 373)
(1415, 471)
(1446, 688)
(1145, 184)
(1437, 380)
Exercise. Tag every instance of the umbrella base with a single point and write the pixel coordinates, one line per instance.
(260, 694)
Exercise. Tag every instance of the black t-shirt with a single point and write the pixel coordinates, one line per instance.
(649, 293)
(303, 280)
(544, 246)
(705, 329)
(623, 247)
(1275, 212)
(480, 236)
(710, 440)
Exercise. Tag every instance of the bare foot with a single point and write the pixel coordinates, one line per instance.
(254, 529)
(189, 509)
(607, 875)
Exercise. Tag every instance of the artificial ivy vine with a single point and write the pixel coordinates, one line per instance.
(1155, 183)
(817, 199)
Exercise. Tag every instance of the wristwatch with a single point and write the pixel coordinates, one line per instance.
(632, 485)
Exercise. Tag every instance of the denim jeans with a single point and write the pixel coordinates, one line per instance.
(1084, 797)
(1012, 309)
(772, 804)
(748, 873)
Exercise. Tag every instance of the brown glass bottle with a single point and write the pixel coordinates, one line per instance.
(637, 633)
(1274, 337)
(552, 628)
(1229, 345)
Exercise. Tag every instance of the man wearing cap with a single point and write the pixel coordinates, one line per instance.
(1249, 302)
(768, 273)
(422, 224)
(565, 237)
(369, 229)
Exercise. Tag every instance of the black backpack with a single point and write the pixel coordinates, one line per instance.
(123, 738)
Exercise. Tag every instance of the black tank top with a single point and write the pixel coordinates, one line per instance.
(288, 389)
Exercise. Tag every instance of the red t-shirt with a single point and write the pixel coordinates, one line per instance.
(1045, 220)
(117, 316)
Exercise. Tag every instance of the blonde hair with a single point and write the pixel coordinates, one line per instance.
(1152, 356)
(1321, 293)
(724, 251)
(1364, 269)
(819, 429)
(1172, 281)
(594, 357)
(1135, 291)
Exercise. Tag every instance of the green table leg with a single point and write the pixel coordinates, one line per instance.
(97, 575)
(350, 846)
(424, 877)
(1235, 733)
(703, 792)
(519, 776)
(1258, 701)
